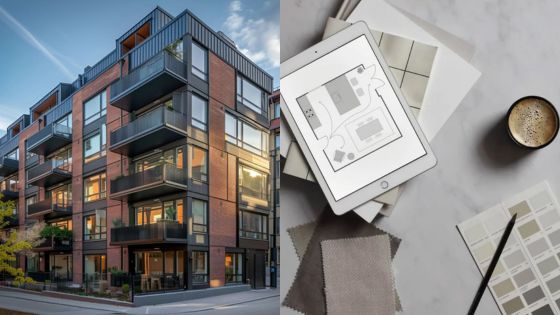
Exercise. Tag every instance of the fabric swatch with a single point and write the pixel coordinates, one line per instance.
(349, 287)
(306, 293)
(300, 236)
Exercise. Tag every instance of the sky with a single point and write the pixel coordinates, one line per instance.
(43, 43)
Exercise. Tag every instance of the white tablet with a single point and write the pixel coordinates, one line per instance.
(352, 122)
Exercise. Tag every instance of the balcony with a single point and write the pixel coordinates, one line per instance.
(253, 198)
(50, 208)
(49, 139)
(8, 166)
(9, 193)
(148, 132)
(157, 77)
(158, 181)
(54, 243)
(50, 173)
(160, 232)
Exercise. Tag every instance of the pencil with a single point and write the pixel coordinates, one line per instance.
(492, 265)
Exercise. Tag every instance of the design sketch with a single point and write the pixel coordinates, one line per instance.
(349, 117)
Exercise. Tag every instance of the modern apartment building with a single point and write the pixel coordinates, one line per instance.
(156, 159)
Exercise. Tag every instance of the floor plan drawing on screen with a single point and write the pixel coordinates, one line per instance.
(349, 117)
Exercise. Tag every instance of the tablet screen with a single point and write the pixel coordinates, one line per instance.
(350, 117)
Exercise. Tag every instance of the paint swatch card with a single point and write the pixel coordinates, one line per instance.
(527, 277)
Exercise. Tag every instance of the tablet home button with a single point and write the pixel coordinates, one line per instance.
(384, 184)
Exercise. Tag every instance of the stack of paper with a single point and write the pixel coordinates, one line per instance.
(432, 76)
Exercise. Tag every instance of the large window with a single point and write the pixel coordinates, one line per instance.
(198, 166)
(95, 108)
(95, 225)
(62, 159)
(159, 270)
(200, 267)
(95, 266)
(95, 187)
(61, 266)
(152, 213)
(61, 196)
(172, 157)
(199, 59)
(96, 146)
(246, 136)
(9, 184)
(199, 112)
(253, 186)
(250, 95)
(253, 225)
(234, 267)
(199, 221)
(176, 49)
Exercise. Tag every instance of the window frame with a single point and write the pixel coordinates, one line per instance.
(240, 87)
(196, 274)
(102, 110)
(257, 235)
(239, 138)
(102, 150)
(102, 193)
(199, 73)
(99, 231)
(204, 175)
(196, 122)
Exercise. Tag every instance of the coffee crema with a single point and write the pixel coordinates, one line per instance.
(533, 122)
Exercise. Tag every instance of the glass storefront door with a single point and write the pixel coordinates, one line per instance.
(60, 266)
(157, 270)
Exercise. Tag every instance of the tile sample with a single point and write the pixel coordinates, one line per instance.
(530, 280)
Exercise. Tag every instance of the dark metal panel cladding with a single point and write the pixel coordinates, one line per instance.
(9, 145)
(188, 23)
(100, 67)
(59, 111)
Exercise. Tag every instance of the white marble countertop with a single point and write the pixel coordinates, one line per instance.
(518, 53)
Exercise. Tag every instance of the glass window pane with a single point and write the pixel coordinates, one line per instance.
(231, 125)
(252, 137)
(176, 49)
(199, 211)
(199, 61)
(252, 94)
(92, 146)
(199, 164)
(199, 108)
(169, 262)
(91, 108)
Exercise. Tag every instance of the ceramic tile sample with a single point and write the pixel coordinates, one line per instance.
(527, 279)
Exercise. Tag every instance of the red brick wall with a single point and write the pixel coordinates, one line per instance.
(92, 88)
(223, 169)
(223, 231)
(222, 81)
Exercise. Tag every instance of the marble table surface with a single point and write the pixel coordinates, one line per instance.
(518, 53)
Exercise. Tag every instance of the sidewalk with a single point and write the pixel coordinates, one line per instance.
(248, 302)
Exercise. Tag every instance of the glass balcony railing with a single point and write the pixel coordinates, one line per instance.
(161, 232)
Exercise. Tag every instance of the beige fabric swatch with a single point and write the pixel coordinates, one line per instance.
(349, 287)
(300, 236)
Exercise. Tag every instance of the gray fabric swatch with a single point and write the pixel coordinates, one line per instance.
(349, 287)
(301, 235)
(306, 294)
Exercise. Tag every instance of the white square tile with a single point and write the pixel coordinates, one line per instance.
(398, 74)
(421, 59)
(413, 88)
(395, 50)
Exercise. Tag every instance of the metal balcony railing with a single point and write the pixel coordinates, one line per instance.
(61, 168)
(49, 139)
(49, 206)
(162, 231)
(157, 128)
(156, 176)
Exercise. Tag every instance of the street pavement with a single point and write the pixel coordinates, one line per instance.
(256, 302)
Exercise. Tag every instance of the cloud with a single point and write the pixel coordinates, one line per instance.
(25, 34)
(258, 39)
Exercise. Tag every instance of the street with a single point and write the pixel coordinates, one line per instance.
(250, 302)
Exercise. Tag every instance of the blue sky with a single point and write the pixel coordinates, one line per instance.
(47, 42)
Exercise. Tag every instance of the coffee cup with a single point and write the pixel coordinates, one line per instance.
(532, 122)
